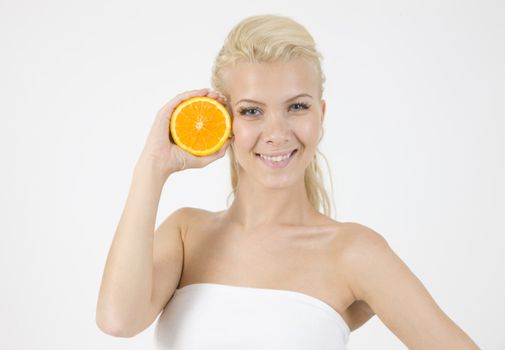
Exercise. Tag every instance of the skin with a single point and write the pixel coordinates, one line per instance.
(268, 196)
(271, 229)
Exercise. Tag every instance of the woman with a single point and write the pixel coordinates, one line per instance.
(271, 271)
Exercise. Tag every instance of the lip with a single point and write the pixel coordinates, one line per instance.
(277, 165)
(279, 153)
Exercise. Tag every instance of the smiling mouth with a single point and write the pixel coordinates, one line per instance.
(287, 155)
(278, 161)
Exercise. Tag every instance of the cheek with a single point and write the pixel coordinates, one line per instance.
(244, 135)
(308, 132)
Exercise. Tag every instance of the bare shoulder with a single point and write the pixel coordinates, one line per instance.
(360, 246)
(360, 239)
(190, 216)
(378, 276)
(354, 239)
(192, 210)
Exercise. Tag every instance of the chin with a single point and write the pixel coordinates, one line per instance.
(279, 181)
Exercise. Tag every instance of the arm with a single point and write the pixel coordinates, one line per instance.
(143, 267)
(379, 277)
(127, 299)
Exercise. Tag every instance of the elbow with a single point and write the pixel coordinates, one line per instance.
(113, 328)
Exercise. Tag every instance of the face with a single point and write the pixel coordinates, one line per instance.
(276, 109)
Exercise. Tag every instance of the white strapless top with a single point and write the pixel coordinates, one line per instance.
(210, 316)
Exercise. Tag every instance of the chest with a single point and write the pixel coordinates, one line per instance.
(289, 258)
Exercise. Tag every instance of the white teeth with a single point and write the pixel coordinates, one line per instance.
(277, 158)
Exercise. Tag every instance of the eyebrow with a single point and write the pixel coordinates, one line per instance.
(261, 103)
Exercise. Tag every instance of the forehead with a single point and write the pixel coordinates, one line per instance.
(271, 79)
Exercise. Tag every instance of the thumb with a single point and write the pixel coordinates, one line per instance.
(222, 150)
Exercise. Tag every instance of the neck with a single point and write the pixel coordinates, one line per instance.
(257, 206)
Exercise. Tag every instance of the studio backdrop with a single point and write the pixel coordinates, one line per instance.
(414, 137)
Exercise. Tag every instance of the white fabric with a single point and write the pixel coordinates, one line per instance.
(210, 316)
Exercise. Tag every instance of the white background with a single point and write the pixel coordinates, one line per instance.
(414, 136)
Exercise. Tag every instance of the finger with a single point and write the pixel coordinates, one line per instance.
(218, 96)
(213, 94)
(185, 95)
(222, 100)
(222, 150)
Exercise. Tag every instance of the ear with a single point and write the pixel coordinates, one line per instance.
(323, 110)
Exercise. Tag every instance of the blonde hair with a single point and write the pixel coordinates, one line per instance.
(269, 38)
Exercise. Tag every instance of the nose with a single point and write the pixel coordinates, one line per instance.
(277, 130)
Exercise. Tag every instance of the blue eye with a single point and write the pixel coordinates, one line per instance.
(303, 106)
(244, 110)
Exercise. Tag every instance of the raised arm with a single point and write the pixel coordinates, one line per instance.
(126, 288)
(143, 266)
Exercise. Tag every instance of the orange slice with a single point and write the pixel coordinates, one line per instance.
(200, 125)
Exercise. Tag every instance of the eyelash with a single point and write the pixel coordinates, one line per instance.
(243, 110)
